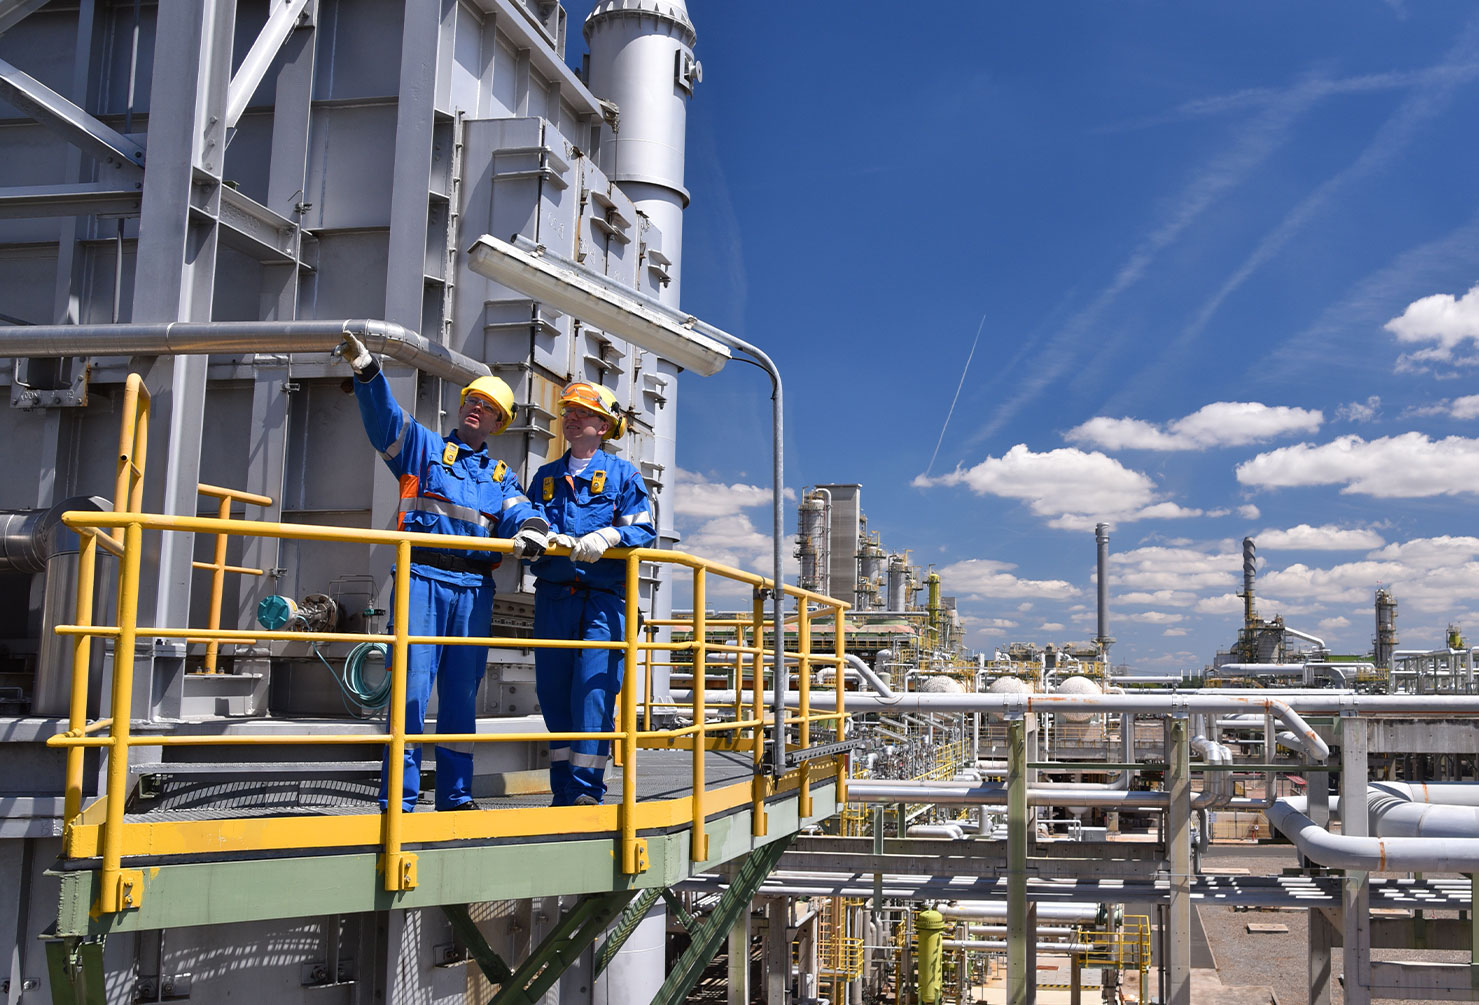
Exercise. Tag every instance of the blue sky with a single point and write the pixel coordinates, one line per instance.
(1224, 263)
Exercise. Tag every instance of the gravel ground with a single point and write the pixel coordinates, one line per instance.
(1277, 961)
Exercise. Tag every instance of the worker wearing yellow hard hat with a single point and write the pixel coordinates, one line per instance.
(593, 501)
(448, 485)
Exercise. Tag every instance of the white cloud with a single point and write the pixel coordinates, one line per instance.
(699, 497)
(1334, 624)
(1431, 551)
(1406, 466)
(1051, 626)
(982, 577)
(1360, 411)
(1249, 512)
(1442, 319)
(1175, 632)
(1220, 424)
(1466, 407)
(1157, 567)
(735, 542)
(1226, 603)
(1155, 617)
(1324, 538)
(1172, 598)
(1096, 486)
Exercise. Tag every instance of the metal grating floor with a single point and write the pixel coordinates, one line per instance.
(662, 774)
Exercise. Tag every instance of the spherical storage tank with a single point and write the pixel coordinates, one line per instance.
(940, 685)
(1077, 685)
(1009, 685)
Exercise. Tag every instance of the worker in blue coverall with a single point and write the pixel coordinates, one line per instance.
(593, 501)
(448, 485)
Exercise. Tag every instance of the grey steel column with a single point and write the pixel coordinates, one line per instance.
(1021, 934)
(1321, 939)
(1321, 931)
(174, 280)
(777, 952)
(738, 975)
(1355, 888)
(1178, 839)
(405, 266)
(288, 173)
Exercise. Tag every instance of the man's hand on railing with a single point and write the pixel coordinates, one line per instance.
(529, 543)
(592, 546)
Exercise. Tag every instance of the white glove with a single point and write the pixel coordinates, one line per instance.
(593, 545)
(529, 543)
(353, 351)
(560, 541)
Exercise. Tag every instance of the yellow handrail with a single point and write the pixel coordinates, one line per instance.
(736, 725)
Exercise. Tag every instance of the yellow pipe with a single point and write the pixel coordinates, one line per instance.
(240, 570)
(395, 779)
(218, 586)
(699, 837)
(630, 864)
(87, 556)
(241, 495)
(236, 635)
(112, 898)
(647, 665)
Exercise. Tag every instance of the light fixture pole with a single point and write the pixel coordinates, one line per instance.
(570, 287)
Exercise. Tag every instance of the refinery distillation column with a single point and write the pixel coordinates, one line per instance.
(641, 60)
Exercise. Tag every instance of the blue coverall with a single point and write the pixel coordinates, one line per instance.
(446, 487)
(577, 688)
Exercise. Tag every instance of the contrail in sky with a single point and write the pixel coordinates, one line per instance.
(953, 400)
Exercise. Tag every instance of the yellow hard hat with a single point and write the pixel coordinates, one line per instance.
(599, 399)
(496, 391)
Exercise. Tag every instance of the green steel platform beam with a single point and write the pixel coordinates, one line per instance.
(706, 942)
(181, 894)
(489, 962)
(576, 930)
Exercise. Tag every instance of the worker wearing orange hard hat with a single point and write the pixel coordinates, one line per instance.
(448, 485)
(593, 501)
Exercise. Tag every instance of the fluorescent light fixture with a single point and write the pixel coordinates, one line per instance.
(579, 292)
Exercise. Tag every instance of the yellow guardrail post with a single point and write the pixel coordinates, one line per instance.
(400, 868)
(133, 449)
(633, 851)
(760, 782)
(219, 567)
(647, 678)
(803, 666)
(839, 649)
(87, 558)
(699, 845)
(119, 891)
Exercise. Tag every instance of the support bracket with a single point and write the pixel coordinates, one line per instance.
(569, 938)
(75, 968)
(706, 942)
(489, 962)
(625, 925)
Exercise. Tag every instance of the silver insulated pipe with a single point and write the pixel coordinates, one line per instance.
(36, 541)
